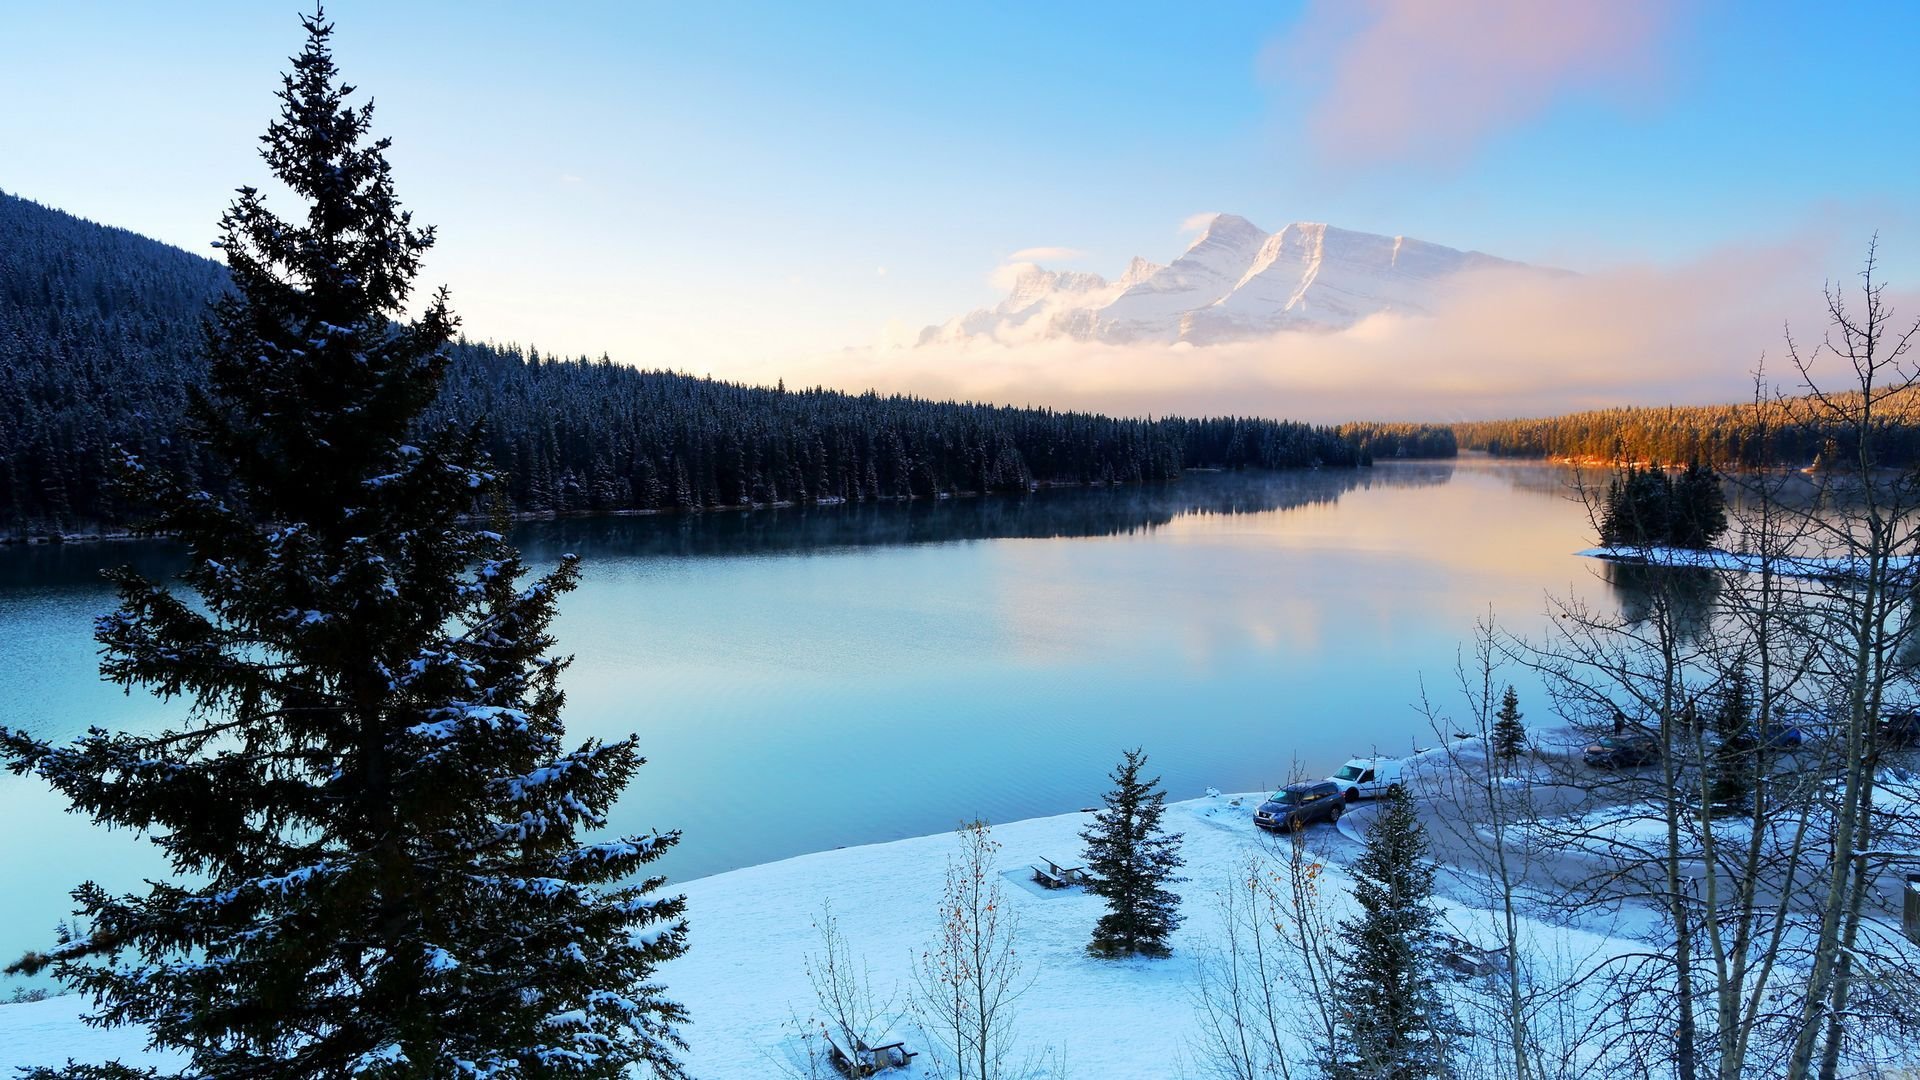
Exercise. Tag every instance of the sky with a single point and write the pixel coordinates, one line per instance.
(763, 191)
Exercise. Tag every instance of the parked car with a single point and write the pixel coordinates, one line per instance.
(1622, 751)
(1779, 736)
(1297, 806)
(1367, 778)
(1899, 729)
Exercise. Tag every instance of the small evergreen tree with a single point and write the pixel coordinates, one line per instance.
(1133, 861)
(1509, 734)
(1736, 748)
(369, 800)
(1650, 508)
(1699, 513)
(1635, 513)
(1389, 1017)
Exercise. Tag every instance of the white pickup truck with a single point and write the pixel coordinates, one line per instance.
(1368, 778)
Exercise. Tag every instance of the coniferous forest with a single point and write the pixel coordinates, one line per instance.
(1781, 433)
(99, 346)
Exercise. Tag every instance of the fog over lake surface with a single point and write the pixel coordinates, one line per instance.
(803, 679)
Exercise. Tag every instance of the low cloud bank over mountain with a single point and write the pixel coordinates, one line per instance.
(1322, 323)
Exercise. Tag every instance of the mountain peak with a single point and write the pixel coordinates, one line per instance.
(1228, 229)
(1139, 270)
(1235, 281)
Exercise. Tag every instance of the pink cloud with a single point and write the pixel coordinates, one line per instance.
(1391, 80)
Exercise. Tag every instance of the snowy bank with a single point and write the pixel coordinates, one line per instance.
(1826, 568)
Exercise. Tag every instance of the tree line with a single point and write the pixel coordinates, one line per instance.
(100, 347)
(1785, 432)
(1380, 440)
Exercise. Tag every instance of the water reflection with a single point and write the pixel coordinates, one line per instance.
(1687, 593)
(27, 569)
(1060, 513)
(1045, 515)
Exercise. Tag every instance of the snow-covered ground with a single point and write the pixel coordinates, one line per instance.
(744, 978)
(50, 1032)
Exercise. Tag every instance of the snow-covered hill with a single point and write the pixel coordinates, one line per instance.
(1234, 282)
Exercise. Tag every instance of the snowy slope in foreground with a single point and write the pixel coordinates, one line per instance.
(1234, 282)
(50, 1032)
(744, 977)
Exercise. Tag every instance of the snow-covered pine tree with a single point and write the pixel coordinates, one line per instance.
(1509, 735)
(377, 827)
(1133, 861)
(1389, 1017)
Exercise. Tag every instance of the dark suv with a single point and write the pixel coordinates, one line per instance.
(1622, 751)
(1297, 806)
(1898, 729)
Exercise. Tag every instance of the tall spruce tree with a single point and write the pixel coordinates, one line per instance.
(375, 821)
(1509, 735)
(1389, 1016)
(1133, 861)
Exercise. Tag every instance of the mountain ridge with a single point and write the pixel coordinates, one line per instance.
(1235, 281)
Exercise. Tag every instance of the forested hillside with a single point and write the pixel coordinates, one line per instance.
(99, 342)
(1400, 440)
(1765, 435)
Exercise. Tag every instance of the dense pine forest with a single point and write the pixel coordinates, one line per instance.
(100, 342)
(1776, 433)
(1382, 441)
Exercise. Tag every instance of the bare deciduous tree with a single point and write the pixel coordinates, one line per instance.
(1261, 988)
(850, 1014)
(1865, 625)
(967, 983)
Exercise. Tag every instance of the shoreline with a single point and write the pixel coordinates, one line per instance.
(49, 538)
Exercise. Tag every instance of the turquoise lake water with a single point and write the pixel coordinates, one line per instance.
(810, 678)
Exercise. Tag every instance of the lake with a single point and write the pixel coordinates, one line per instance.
(804, 679)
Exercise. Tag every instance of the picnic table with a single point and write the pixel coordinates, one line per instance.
(868, 1060)
(1466, 960)
(1056, 875)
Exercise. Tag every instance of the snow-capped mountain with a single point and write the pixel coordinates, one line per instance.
(1235, 281)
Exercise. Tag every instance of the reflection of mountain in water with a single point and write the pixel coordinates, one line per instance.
(1069, 512)
(1075, 512)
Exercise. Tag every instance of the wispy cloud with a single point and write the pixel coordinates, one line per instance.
(1046, 254)
(1393, 80)
(1194, 223)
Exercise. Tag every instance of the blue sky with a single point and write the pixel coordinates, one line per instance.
(715, 186)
